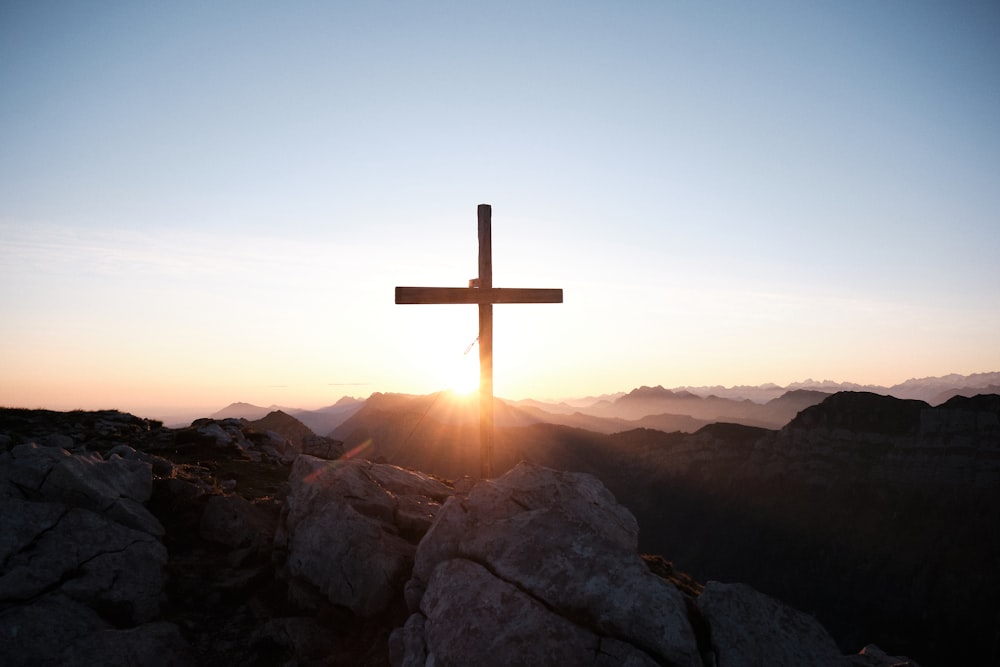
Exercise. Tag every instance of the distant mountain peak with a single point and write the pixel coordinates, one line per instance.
(241, 405)
(284, 424)
(645, 392)
(241, 410)
(349, 400)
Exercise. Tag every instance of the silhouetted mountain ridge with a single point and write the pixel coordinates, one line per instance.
(863, 412)
(320, 421)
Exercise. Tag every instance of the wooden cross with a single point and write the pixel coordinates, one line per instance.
(482, 292)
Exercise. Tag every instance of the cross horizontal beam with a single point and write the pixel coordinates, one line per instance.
(478, 295)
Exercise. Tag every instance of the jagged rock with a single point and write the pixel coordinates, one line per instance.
(873, 656)
(350, 529)
(277, 438)
(474, 617)
(542, 561)
(274, 446)
(81, 558)
(211, 431)
(77, 431)
(86, 556)
(323, 448)
(159, 465)
(235, 522)
(749, 629)
(116, 488)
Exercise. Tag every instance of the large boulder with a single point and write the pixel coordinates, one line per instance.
(540, 567)
(116, 488)
(749, 629)
(82, 565)
(88, 557)
(37, 634)
(351, 528)
(471, 616)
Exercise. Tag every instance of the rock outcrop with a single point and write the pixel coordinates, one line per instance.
(124, 543)
(351, 529)
(277, 438)
(541, 567)
(83, 567)
(749, 629)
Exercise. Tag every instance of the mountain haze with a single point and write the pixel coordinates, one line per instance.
(679, 409)
(320, 421)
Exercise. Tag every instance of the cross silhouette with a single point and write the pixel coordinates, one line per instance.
(481, 291)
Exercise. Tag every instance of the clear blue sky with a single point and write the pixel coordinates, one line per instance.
(209, 202)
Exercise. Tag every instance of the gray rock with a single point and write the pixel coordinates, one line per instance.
(86, 556)
(564, 545)
(750, 629)
(214, 431)
(351, 527)
(36, 634)
(160, 465)
(116, 488)
(235, 522)
(507, 627)
(353, 559)
(134, 515)
(406, 644)
(80, 560)
(473, 617)
(21, 522)
(28, 465)
(323, 448)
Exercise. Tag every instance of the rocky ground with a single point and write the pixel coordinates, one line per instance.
(257, 543)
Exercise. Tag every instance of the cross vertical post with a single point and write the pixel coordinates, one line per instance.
(481, 291)
(485, 214)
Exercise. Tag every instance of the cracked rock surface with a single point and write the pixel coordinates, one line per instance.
(351, 529)
(541, 561)
(82, 565)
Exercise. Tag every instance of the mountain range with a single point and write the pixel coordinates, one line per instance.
(875, 514)
(683, 409)
(320, 421)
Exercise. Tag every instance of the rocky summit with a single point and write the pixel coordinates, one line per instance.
(233, 542)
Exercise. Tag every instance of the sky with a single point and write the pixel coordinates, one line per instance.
(209, 202)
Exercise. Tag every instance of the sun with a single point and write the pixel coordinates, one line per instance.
(464, 375)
